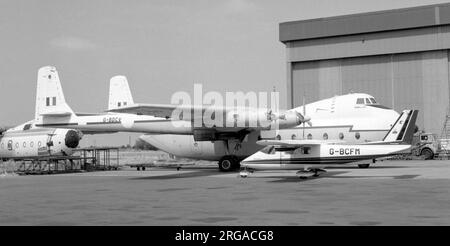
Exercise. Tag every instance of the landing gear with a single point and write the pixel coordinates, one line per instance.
(363, 165)
(304, 174)
(229, 163)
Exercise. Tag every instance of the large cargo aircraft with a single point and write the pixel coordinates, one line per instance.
(355, 118)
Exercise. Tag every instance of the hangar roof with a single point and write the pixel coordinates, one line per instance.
(397, 19)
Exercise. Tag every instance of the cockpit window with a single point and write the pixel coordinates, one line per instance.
(373, 100)
(268, 150)
(367, 101)
(360, 101)
(27, 127)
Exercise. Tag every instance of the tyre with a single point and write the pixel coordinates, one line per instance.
(228, 163)
(363, 165)
(427, 154)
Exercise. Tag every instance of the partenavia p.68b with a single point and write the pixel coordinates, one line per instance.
(311, 156)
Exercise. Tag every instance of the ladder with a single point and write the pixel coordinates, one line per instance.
(445, 134)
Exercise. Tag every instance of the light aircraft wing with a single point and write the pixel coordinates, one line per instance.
(297, 143)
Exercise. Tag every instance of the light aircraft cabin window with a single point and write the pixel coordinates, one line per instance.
(10, 145)
(27, 127)
(325, 136)
(306, 150)
(124, 103)
(309, 136)
(47, 101)
(54, 101)
(39, 144)
(24, 144)
(118, 104)
(357, 135)
(269, 150)
(278, 137)
(424, 138)
(367, 101)
(293, 136)
(360, 101)
(341, 136)
(373, 100)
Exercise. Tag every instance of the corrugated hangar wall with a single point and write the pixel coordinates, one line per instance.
(417, 80)
(400, 56)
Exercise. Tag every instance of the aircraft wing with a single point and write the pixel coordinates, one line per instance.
(297, 143)
(158, 110)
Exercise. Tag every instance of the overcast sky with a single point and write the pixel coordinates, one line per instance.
(162, 46)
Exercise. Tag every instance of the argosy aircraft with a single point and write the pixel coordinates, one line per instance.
(311, 156)
(53, 112)
(355, 118)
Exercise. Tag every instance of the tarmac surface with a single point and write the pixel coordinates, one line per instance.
(387, 193)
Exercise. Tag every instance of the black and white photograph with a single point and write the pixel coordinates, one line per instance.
(196, 114)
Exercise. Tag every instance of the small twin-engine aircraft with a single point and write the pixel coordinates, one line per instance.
(311, 156)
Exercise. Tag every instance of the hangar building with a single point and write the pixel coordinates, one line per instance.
(401, 57)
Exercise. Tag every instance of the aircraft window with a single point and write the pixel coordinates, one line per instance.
(306, 150)
(31, 144)
(118, 104)
(373, 100)
(325, 136)
(39, 144)
(278, 137)
(367, 101)
(341, 136)
(424, 138)
(24, 144)
(54, 101)
(17, 145)
(10, 145)
(47, 102)
(269, 150)
(309, 136)
(293, 136)
(360, 101)
(357, 135)
(124, 103)
(27, 127)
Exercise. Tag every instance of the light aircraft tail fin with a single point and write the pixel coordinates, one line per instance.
(50, 99)
(403, 129)
(119, 93)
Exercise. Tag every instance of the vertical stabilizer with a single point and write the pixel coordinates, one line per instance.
(119, 93)
(50, 99)
(403, 129)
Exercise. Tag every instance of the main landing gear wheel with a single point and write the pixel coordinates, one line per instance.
(363, 165)
(228, 163)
